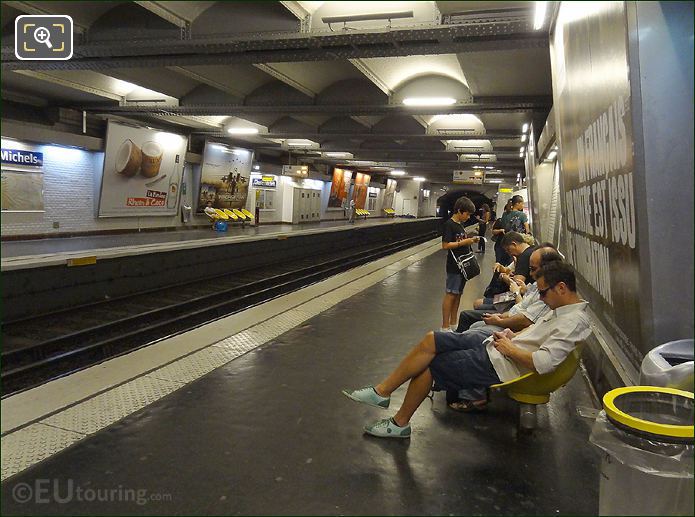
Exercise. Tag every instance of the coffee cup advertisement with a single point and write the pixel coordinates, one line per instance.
(142, 171)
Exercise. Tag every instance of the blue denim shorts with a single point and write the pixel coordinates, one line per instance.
(455, 283)
(462, 362)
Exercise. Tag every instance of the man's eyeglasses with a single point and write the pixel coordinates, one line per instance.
(543, 292)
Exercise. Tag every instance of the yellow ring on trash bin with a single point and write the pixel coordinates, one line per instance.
(676, 431)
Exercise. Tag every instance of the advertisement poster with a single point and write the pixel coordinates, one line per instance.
(22, 178)
(142, 171)
(596, 182)
(339, 188)
(224, 176)
(389, 193)
(360, 191)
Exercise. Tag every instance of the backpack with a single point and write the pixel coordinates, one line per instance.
(515, 224)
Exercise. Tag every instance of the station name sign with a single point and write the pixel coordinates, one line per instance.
(20, 157)
(264, 182)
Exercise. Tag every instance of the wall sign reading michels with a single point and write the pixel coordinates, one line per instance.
(142, 171)
(224, 176)
(21, 178)
(595, 131)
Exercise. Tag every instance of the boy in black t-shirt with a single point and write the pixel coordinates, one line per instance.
(454, 239)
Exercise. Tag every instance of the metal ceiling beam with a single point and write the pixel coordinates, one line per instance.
(510, 134)
(62, 81)
(30, 8)
(293, 47)
(161, 10)
(532, 104)
(511, 151)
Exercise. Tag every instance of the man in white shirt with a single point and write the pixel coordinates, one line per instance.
(433, 363)
(526, 312)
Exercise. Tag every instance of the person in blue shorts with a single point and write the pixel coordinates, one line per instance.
(454, 241)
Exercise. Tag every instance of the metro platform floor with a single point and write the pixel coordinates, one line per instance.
(269, 433)
(30, 247)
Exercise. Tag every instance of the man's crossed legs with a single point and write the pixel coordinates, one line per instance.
(444, 360)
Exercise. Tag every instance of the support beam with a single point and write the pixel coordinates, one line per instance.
(30, 8)
(273, 72)
(71, 84)
(165, 13)
(511, 134)
(259, 49)
(534, 104)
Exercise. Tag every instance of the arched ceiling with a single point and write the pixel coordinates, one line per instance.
(281, 68)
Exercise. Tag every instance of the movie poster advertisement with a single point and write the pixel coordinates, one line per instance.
(22, 177)
(142, 171)
(224, 176)
(339, 188)
(360, 191)
(389, 193)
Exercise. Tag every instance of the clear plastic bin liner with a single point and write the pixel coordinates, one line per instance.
(670, 365)
(649, 455)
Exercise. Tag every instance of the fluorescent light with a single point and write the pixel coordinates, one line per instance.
(336, 154)
(524, 128)
(521, 149)
(397, 173)
(419, 178)
(493, 181)
(345, 18)
(478, 173)
(242, 130)
(521, 154)
(523, 137)
(539, 18)
(489, 167)
(256, 167)
(429, 101)
(552, 154)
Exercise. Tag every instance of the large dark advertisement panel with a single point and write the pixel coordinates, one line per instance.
(592, 102)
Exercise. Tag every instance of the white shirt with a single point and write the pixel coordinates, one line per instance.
(531, 304)
(550, 341)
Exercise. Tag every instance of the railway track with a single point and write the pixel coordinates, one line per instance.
(46, 347)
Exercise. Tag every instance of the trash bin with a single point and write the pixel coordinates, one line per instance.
(646, 435)
(670, 365)
(185, 213)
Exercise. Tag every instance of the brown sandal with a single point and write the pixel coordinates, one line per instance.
(469, 406)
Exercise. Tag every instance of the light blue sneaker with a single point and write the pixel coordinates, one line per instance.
(369, 396)
(387, 428)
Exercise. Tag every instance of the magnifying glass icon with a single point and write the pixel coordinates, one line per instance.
(43, 35)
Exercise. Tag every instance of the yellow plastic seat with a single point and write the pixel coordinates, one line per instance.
(248, 214)
(239, 214)
(534, 388)
(230, 214)
(221, 214)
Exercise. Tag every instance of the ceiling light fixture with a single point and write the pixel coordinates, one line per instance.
(336, 154)
(429, 101)
(493, 181)
(419, 178)
(242, 130)
(539, 18)
(397, 173)
(552, 154)
(521, 149)
(367, 17)
(524, 128)
(523, 137)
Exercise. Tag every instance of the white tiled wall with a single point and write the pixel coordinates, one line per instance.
(72, 179)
